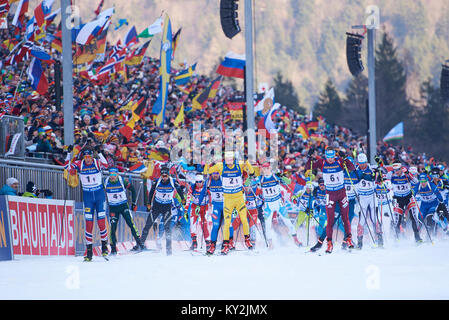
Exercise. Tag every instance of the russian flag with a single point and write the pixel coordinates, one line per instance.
(91, 29)
(36, 76)
(41, 54)
(131, 37)
(232, 66)
(139, 167)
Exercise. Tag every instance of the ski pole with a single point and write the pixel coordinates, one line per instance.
(313, 216)
(360, 204)
(138, 191)
(381, 164)
(257, 227)
(416, 204)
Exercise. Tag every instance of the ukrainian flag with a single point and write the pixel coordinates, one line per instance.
(164, 71)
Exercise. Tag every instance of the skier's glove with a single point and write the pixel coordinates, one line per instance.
(377, 159)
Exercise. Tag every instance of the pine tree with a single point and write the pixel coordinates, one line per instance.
(355, 105)
(431, 132)
(329, 104)
(392, 103)
(285, 94)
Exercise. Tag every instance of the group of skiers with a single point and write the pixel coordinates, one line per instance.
(234, 193)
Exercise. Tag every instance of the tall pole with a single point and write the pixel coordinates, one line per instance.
(67, 81)
(371, 94)
(249, 81)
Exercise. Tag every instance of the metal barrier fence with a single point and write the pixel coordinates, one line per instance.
(51, 177)
(12, 128)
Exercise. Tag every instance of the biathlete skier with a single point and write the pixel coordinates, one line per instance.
(116, 188)
(89, 170)
(333, 169)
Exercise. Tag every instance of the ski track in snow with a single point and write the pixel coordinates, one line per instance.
(400, 271)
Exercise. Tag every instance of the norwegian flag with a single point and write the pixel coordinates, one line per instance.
(19, 53)
(115, 49)
(4, 7)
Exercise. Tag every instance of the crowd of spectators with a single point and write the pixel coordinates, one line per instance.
(101, 109)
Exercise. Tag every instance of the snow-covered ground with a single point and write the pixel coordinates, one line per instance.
(400, 271)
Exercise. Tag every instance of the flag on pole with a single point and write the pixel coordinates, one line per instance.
(41, 54)
(4, 8)
(180, 117)
(94, 51)
(19, 16)
(183, 77)
(138, 167)
(175, 42)
(396, 133)
(120, 23)
(131, 37)
(136, 56)
(199, 102)
(36, 76)
(302, 129)
(155, 28)
(265, 105)
(232, 66)
(164, 71)
(100, 5)
(137, 113)
(91, 30)
(42, 10)
(267, 123)
(235, 108)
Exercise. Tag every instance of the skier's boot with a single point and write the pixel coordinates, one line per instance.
(194, 243)
(418, 238)
(348, 242)
(89, 253)
(359, 243)
(248, 242)
(225, 249)
(231, 243)
(330, 246)
(211, 249)
(380, 240)
(139, 246)
(104, 248)
(207, 244)
(113, 249)
(317, 246)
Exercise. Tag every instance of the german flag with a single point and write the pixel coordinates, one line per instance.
(57, 42)
(313, 125)
(155, 154)
(137, 113)
(302, 129)
(236, 110)
(136, 56)
(91, 51)
(175, 42)
(199, 102)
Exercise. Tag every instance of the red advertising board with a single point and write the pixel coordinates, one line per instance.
(40, 227)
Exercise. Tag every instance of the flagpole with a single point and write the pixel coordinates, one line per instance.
(249, 81)
(67, 69)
